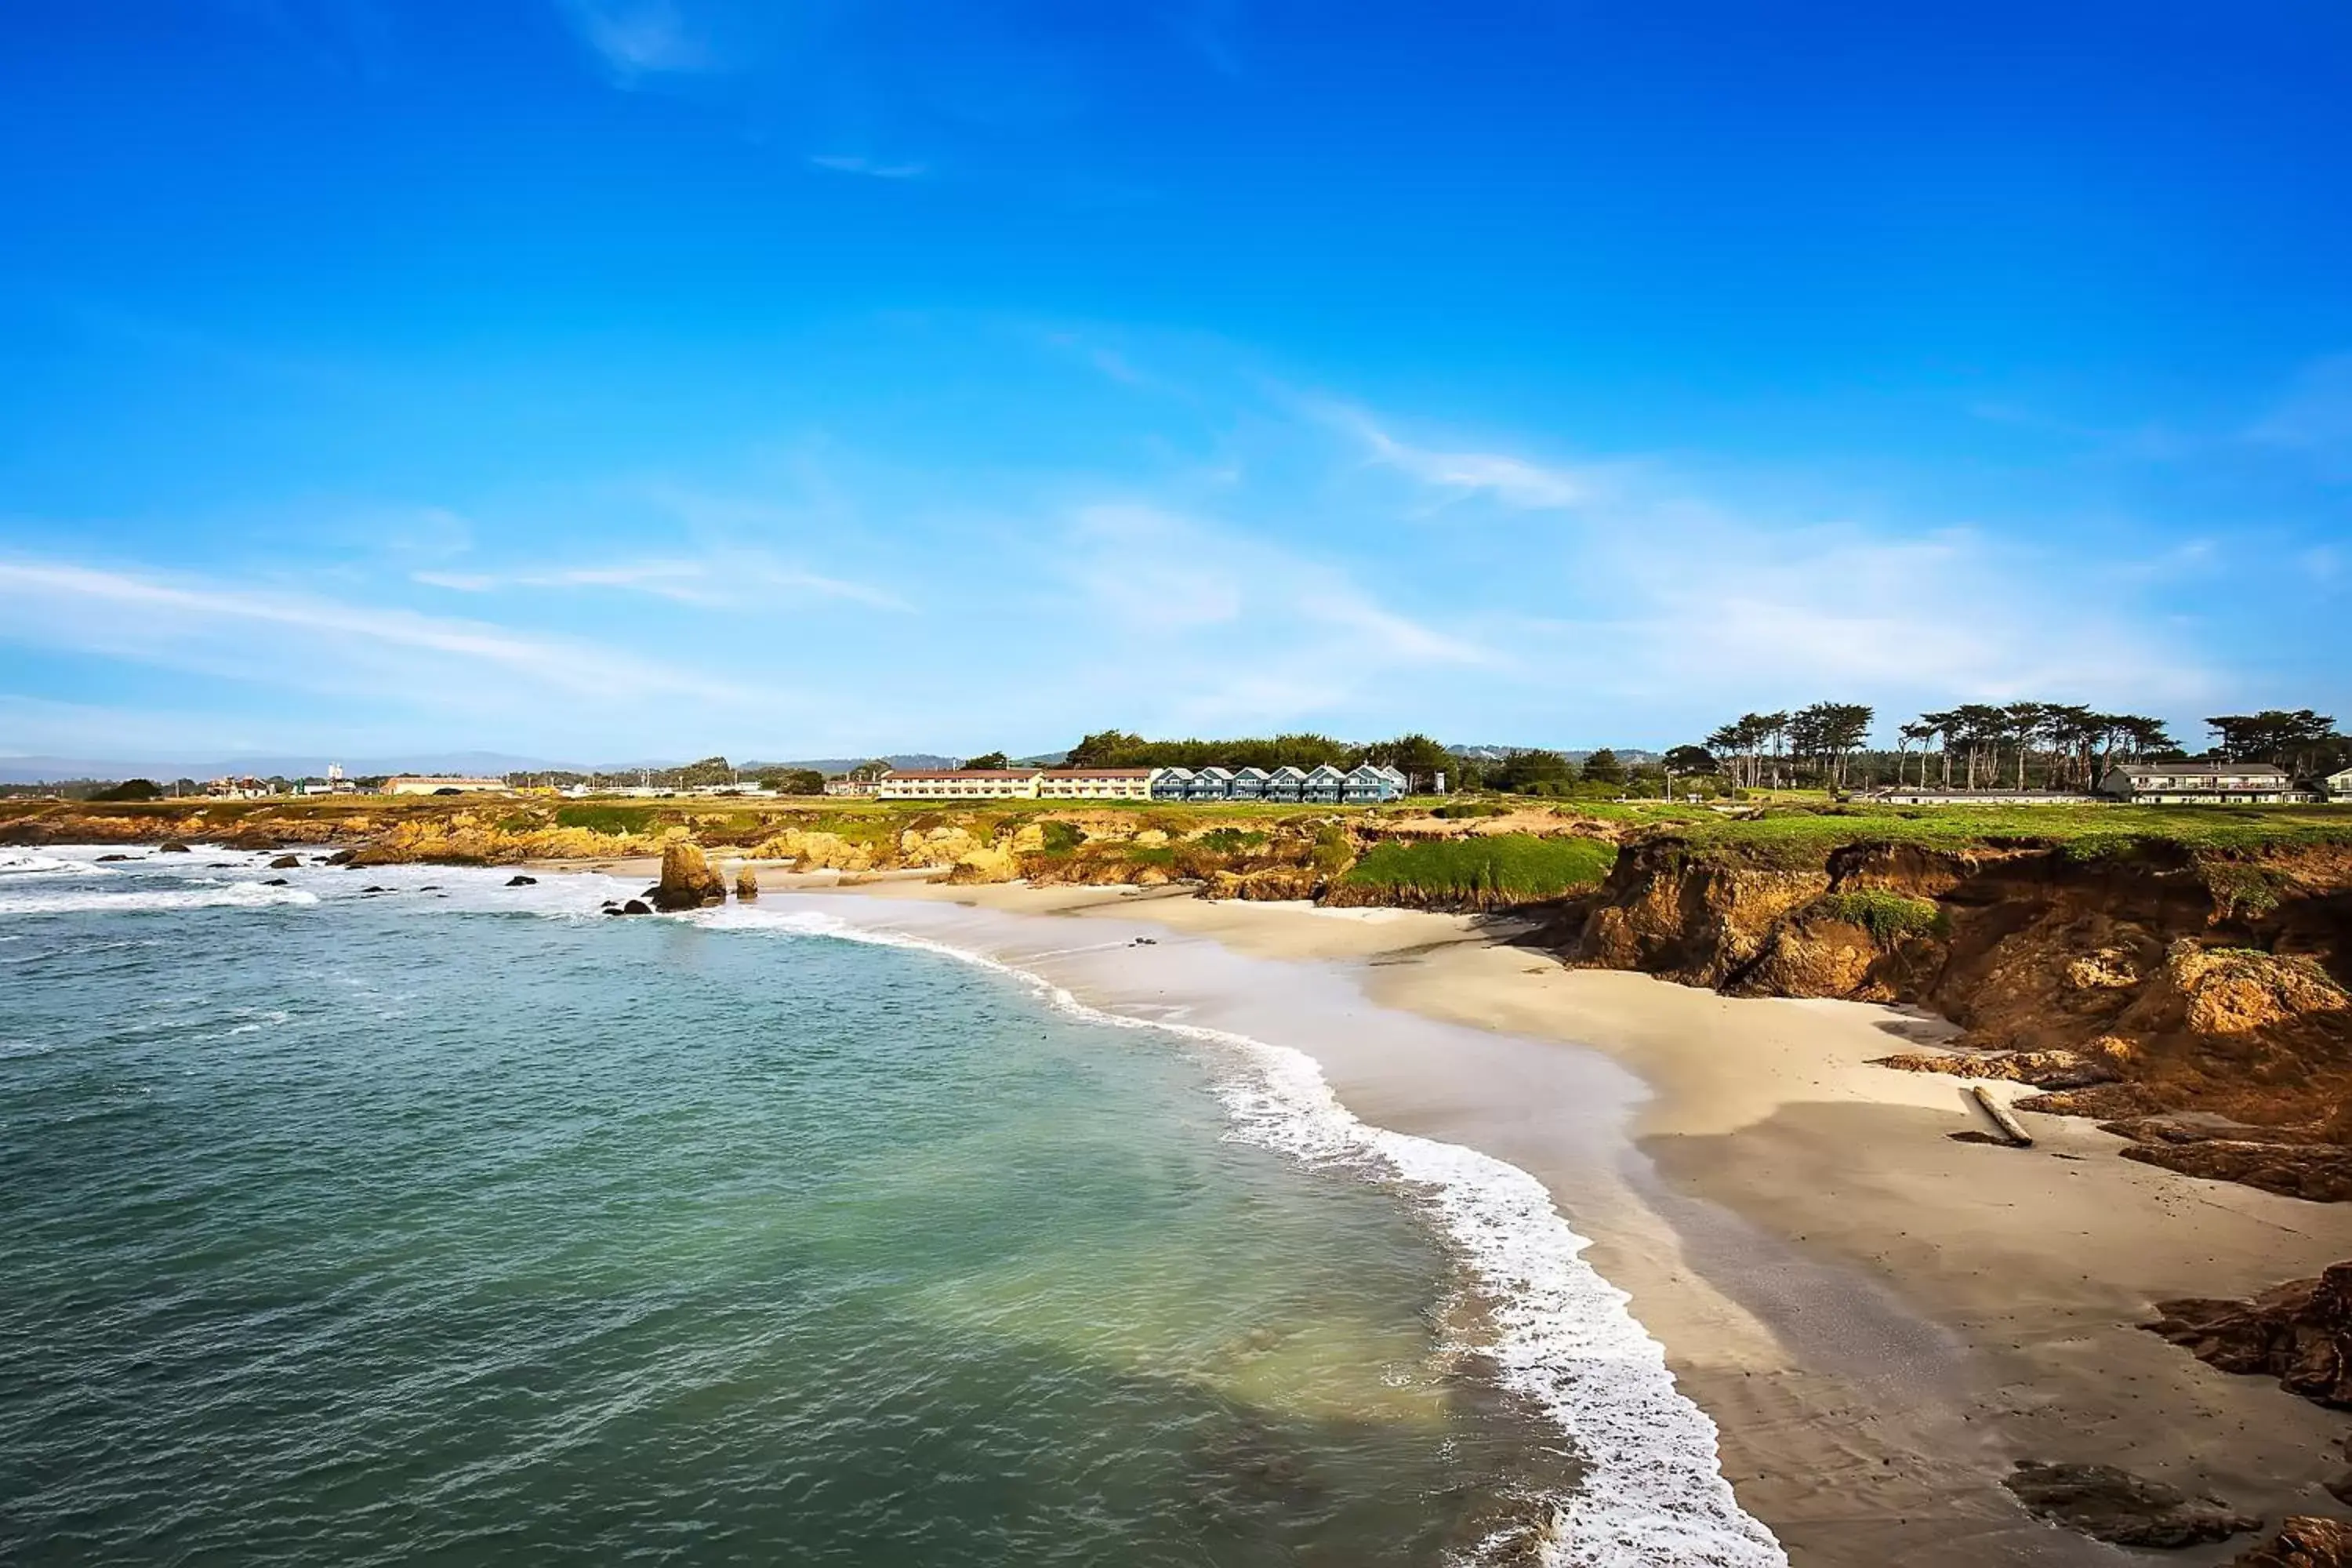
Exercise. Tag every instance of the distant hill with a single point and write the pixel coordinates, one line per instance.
(843, 764)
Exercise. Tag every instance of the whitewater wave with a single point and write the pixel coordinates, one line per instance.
(230, 895)
(21, 863)
(1653, 1493)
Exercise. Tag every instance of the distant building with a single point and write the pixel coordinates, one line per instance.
(2338, 786)
(1910, 795)
(239, 789)
(1095, 783)
(2201, 783)
(959, 784)
(441, 785)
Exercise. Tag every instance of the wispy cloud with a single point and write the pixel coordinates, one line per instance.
(873, 169)
(303, 640)
(640, 37)
(1519, 482)
(730, 582)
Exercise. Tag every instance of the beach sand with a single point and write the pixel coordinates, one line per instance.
(1880, 1320)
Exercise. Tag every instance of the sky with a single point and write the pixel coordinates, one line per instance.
(629, 379)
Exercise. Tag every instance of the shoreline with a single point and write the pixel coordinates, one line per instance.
(1858, 1302)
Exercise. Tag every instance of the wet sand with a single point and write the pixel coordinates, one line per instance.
(1879, 1318)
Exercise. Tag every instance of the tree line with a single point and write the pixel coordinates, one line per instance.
(2011, 745)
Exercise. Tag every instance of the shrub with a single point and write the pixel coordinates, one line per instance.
(613, 819)
(1503, 867)
(1889, 916)
(1062, 837)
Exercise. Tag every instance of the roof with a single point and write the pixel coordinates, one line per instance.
(1287, 772)
(1097, 773)
(999, 775)
(2200, 770)
(442, 779)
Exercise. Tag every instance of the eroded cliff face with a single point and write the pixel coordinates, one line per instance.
(2140, 985)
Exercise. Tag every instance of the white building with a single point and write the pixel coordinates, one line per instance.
(2339, 787)
(2201, 783)
(960, 784)
(1095, 783)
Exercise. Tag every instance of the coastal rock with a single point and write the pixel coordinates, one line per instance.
(521, 881)
(276, 882)
(2114, 1505)
(2300, 1333)
(340, 857)
(687, 882)
(170, 846)
(286, 863)
(2044, 1069)
(747, 885)
(2315, 1173)
(636, 907)
(2304, 1542)
(104, 859)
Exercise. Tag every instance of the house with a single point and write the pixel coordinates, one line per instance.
(1095, 783)
(1249, 783)
(1285, 784)
(1369, 785)
(2339, 787)
(2201, 783)
(1325, 786)
(1209, 784)
(431, 785)
(1170, 784)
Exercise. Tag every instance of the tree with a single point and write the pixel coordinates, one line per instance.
(1416, 756)
(2300, 741)
(131, 789)
(987, 760)
(1522, 772)
(1691, 760)
(793, 781)
(1107, 749)
(1603, 767)
(694, 775)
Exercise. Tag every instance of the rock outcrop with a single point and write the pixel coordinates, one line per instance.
(2300, 1333)
(747, 885)
(286, 862)
(2304, 1542)
(687, 882)
(2114, 1505)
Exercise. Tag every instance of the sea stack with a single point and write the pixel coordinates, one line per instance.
(747, 884)
(687, 882)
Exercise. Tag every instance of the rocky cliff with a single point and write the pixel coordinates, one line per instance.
(2139, 981)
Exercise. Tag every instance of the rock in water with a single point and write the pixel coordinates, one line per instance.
(286, 863)
(636, 907)
(687, 882)
(2307, 1542)
(170, 846)
(747, 884)
(2115, 1505)
(523, 881)
(2300, 1333)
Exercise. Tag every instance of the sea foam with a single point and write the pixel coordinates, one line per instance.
(1653, 1493)
(228, 895)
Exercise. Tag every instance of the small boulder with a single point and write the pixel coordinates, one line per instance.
(276, 882)
(104, 859)
(2299, 1333)
(636, 907)
(687, 882)
(2114, 1505)
(286, 863)
(747, 884)
(170, 846)
(523, 881)
(342, 858)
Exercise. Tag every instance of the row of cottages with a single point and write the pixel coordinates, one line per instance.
(1015, 783)
(1325, 784)
(2203, 784)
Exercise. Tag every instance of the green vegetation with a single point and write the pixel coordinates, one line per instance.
(1801, 835)
(131, 789)
(1504, 868)
(1889, 916)
(1062, 837)
(1231, 841)
(599, 818)
(1457, 810)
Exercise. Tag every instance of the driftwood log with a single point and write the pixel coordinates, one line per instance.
(2010, 1127)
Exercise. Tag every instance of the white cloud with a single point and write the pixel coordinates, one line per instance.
(847, 164)
(640, 37)
(1521, 483)
(309, 642)
(732, 582)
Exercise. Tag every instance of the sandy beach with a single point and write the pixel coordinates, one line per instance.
(1881, 1320)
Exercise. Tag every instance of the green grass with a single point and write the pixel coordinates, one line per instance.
(1803, 836)
(1062, 837)
(613, 819)
(1505, 867)
(1889, 916)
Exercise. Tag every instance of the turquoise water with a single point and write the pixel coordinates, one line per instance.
(454, 1224)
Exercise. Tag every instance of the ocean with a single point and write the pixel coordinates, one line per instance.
(401, 1216)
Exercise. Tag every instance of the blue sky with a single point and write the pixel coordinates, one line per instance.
(619, 378)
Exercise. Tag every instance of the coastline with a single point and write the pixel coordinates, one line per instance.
(1878, 1318)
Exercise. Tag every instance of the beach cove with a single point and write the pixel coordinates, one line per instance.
(1880, 1319)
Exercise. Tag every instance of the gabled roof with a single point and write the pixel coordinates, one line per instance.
(1369, 770)
(1097, 773)
(1324, 771)
(1286, 774)
(1249, 772)
(1173, 772)
(1214, 773)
